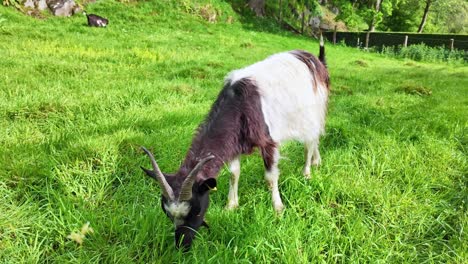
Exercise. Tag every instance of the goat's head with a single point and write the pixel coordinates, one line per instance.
(184, 200)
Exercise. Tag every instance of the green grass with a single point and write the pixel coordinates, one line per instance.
(76, 103)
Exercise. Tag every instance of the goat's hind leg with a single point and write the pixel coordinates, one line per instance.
(233, 198)
(312, 156)
(316, 159)
(271, 157)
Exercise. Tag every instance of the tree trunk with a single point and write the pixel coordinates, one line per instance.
(280, 11)
(424, 18)
(303, 21)
(377, 9)
(258, 6)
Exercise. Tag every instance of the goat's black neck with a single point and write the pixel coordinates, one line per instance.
(219, 137)
(234, 126)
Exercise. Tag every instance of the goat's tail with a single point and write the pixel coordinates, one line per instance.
(322, 51)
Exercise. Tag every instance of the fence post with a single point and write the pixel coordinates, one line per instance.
(405, 44)
(334, 36)
(358, 42)
(451, 44)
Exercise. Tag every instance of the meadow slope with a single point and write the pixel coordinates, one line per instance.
(76, 103)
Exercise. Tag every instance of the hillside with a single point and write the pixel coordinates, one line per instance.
(76, 104)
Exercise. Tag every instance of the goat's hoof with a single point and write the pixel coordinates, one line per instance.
(316, 162)
(232, 206)
(279, 208)
(306, 173)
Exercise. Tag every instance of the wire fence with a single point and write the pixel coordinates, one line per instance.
(381, 39)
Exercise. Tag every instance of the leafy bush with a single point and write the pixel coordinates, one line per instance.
(422, 52)
(15, 3)
(3, 28)
(2, 21)
(361, 63)
(210, 11)
(414, 89)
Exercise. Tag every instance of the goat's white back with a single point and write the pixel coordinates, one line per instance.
(292, 107)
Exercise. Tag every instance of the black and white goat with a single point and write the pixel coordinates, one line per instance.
(96, 21)
(281, 98)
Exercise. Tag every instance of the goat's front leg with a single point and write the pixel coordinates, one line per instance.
(271, 158)
(233, 198)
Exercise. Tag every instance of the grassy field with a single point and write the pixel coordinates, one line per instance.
(76, 103)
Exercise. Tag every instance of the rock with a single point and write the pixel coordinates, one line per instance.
(77, 9)
(58, 7)
(61, 7)
(29, 4)
(314, 22)
(41, 5)
(335, 10)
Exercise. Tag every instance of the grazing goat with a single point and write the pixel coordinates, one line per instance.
(280, 98)
(96, 21)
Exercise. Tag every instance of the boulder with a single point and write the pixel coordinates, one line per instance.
(62, 7)
(57, 7)
(29, 4)
(41, 5)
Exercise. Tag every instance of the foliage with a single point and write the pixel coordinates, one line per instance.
(2, 22)
(349, 15)
(294, 10)
(208, 10)
(78, 102)
(414, 89)
(449, 16)
(405, 17)
(361, 14)
(14, 3)
(445, 16)
(422, 52)
(291, 11)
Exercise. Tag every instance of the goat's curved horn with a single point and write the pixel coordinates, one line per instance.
(165, 187)
(186, 190)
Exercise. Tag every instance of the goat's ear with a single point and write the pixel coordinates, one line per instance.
(150, 173)
(207, 185)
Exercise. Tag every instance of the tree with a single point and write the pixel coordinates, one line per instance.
(349, 14)
(448, 16)
(258, 6)
(405, 16)
(424, 17)
(444, 16)
(375, 15)
(371, 13)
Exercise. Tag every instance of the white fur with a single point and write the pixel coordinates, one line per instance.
(292, 107)
(233, 199)
(271, 176)
(178, 211)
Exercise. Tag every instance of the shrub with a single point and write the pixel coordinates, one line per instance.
(414, 89)
(422, 52)
(15, 3)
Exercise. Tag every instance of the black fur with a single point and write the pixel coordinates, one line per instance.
(96, 21)
(234, 126)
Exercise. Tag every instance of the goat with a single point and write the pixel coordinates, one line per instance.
(281, 98)
(96, 21)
